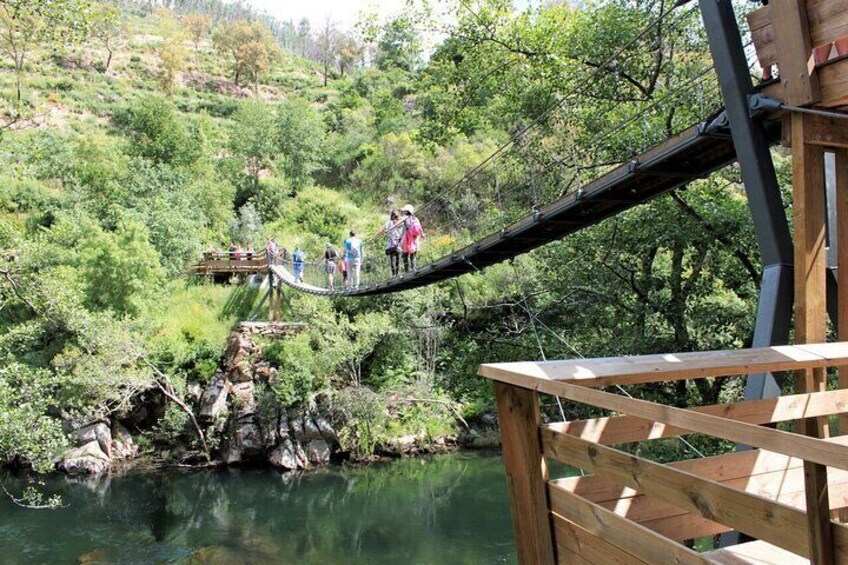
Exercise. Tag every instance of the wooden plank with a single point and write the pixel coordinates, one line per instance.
(589, 547)
(667, 367)
(756, 553)
(568, 557)
(793, 46)
(526, 473)
(763, 519)
(820, 130)
(811, 317)
(624, 429)
(842, 261)
(827, 20)
(630, 538)
(833, 78)
(812, 449)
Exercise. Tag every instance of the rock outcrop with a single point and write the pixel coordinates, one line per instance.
(238, 405)
(96, 445)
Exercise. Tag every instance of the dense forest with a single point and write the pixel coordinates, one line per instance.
(136, 134)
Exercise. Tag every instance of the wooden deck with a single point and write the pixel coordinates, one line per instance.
(628, 509)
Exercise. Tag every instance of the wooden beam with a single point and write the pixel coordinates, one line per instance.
(773, 522)
(812, 449)
(625, 429)
(526, 473)
(668, 366)
(631, 538)
(842, 261)
(757, 552)
(811, 317)
(591, 548)
(793, 48)
(819, 130)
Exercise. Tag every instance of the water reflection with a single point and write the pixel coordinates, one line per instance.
(445, 509)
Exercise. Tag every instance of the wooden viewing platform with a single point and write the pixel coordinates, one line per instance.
(632, 510)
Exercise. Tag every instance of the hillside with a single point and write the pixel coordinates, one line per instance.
(115, 180)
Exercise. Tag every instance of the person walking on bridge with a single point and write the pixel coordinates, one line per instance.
(330, 257)
(354, 255)
(394, 232)
(412, 234)
(298, 262)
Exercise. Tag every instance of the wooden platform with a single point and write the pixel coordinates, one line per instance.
(628, 509)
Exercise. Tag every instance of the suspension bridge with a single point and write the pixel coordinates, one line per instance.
(787, 491)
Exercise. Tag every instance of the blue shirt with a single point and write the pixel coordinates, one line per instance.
(353, 249)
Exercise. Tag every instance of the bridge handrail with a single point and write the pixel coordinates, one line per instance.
(641, 509)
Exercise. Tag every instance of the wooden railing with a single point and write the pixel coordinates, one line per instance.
(231, 263)
(629, 509)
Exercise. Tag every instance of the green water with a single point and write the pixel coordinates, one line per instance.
(441, 510)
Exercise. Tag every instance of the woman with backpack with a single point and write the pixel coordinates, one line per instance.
(394, 232)
(412, 234)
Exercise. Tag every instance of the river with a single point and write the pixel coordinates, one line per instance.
(442, 509)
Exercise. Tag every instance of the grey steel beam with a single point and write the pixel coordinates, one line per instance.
(774, 310)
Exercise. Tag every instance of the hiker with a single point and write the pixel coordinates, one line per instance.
(239, 253)
(210, 253)
(250, 252)
(298, 262)
(353, 258)
(412, 233)
(330, 257)
(342, 266)
(394, 232)
(271, 250)
(231, 251)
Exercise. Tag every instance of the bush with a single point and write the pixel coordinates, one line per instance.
(157, 132)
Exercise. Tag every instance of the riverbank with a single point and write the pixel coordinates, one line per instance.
(251, 413)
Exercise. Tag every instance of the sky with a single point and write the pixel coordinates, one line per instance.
(344, 13)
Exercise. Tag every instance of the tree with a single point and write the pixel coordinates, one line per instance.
(303, 36)
(252, 138)
(198, 27)
(326, 45)
(108, 27)
(171, 52)
(348, 52)
(157, 132)
(300, 139)
(27, 23)
(399, 45)
(251, 46)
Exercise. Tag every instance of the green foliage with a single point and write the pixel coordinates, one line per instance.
(297, 379)
(156, 132)
(300, 139)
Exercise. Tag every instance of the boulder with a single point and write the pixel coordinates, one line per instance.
(244, 399)
(123, 446)
(327, 431)
(296, 426)
(213, 403)
(88, 459)
(98, 432)
(283, 456)
(244, 444)
(318, 452)
(310, 430)
(283, 427)
(240, 372)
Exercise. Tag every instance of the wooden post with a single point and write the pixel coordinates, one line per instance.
(842, 263)
(811, 317)
(792, 38)
(526, 473)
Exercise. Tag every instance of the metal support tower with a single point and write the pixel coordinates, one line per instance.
(774, 310)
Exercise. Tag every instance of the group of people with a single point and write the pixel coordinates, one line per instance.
(233, 252)
(403, 233)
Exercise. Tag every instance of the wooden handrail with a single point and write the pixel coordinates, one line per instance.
(636, 508)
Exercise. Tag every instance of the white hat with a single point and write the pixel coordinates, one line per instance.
(408, 208)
